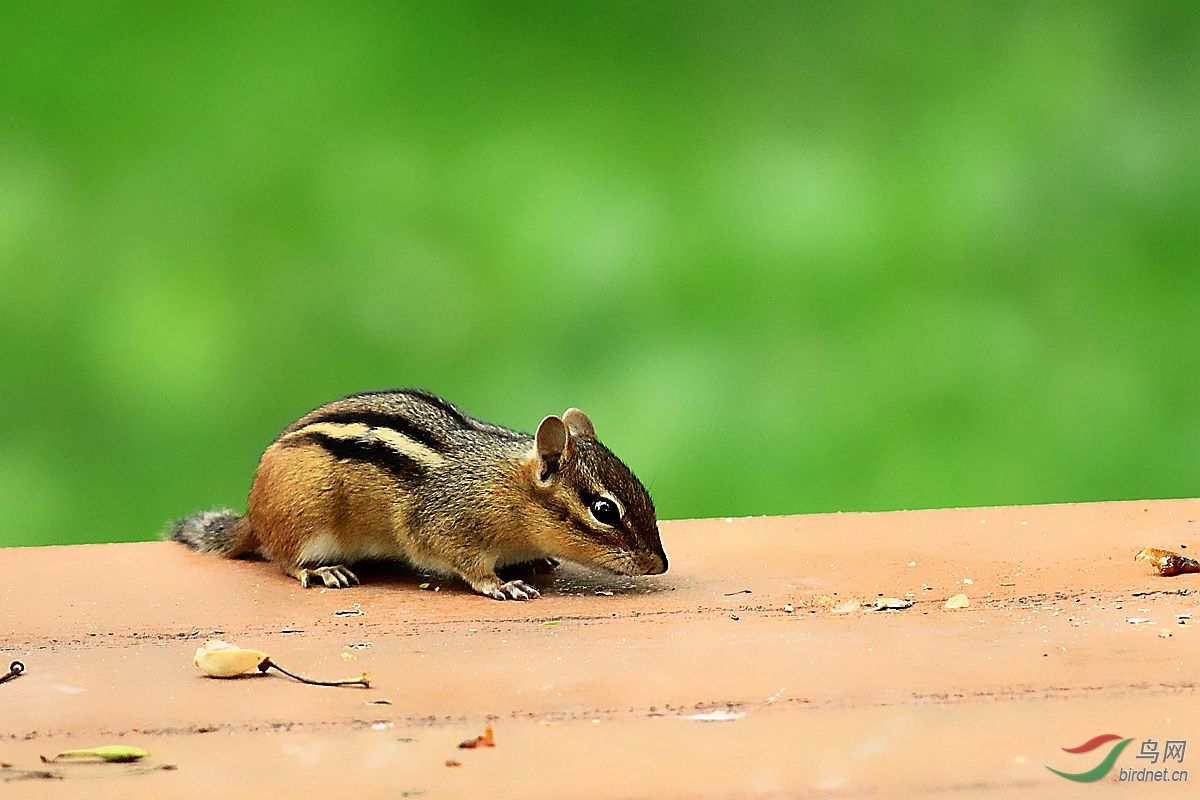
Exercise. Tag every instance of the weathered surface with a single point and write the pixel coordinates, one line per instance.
(885, 704)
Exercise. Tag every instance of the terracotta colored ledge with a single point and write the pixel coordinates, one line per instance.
(590, 688)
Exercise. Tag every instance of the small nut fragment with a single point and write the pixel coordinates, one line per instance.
(219, 659)
(1166, 562)
(958, 601)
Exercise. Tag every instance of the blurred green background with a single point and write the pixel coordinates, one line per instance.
(791, 257)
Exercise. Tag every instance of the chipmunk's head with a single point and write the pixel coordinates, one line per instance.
(606, 517)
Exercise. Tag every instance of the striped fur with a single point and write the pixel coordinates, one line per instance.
(405, 474)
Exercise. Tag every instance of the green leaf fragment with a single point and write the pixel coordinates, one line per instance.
(111, 752)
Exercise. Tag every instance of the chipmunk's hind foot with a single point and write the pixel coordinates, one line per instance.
(336, 576)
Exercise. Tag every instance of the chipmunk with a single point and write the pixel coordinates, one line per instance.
(404, 474)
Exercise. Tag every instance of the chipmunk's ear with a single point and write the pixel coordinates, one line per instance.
(578, 423)
(551, 444)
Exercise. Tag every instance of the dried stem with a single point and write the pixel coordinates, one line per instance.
(14, 669)
(362, 680)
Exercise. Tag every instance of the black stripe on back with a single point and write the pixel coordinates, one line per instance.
(429, 397)
(403, 467)
(464, 418)
(382, 419)
(446, 406)
(455, 413)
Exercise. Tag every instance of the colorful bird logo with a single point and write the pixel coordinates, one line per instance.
(1100, 770)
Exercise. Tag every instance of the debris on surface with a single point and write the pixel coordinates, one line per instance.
(716, 716)
(8, 774)
(486, 740)
(1137, 620)
(847, 607)
(892, 604)
(356, 611)
(958, 601)
(14, 669)
(218, 659)
(113, 753)
(789, 608)
(1168, 563)
(450, 762)
(739, 591)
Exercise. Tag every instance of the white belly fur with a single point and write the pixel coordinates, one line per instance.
(324, 548)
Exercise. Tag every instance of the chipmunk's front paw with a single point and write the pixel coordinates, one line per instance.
(334, 577)
(513, 590)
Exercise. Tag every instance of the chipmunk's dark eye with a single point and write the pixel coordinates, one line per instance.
(605, 511)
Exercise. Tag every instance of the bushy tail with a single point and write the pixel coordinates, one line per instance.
(221, 532)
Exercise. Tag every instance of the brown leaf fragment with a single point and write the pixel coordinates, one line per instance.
(1168, 563)
(450, 762)
(486, 740)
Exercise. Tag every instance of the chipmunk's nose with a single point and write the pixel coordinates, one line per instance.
(655, 563)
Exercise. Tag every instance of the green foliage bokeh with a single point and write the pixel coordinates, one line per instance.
(791, 257)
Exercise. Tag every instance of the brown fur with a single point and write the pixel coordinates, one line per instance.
(406, 475)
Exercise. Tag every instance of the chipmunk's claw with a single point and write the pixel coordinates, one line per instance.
(513, 590)
(334, 577)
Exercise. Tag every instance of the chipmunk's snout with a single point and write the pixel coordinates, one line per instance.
(655, 562)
